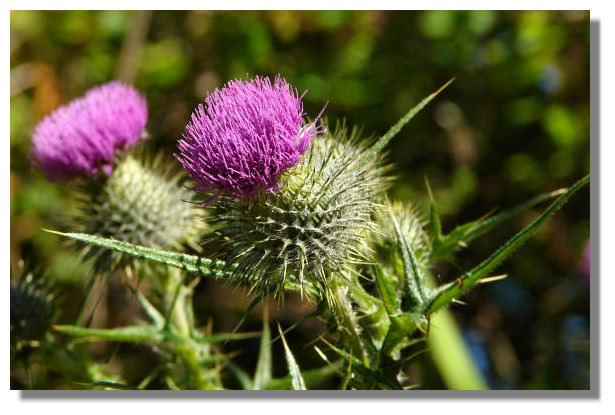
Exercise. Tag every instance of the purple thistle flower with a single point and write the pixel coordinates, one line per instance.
(82, 137)
(247, 135)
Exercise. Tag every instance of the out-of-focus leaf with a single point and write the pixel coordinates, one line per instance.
(297, 382)
(134, 334)
(402, 326)
(313, 377)
(150, 310)
(445, 294)
(451, 355)
(264, 365)
(445, 246)
(242, 377)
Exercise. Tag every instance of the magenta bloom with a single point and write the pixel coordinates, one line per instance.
(247, 135)
(82, 138)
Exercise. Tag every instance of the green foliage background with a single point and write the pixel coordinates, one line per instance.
(513, 124)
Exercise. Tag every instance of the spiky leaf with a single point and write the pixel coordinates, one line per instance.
(297, 382)
(446, 245)
(445, 294)
(264, 368)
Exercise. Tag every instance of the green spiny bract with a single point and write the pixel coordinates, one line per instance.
(32, 309)
(313, 227)
(140, 205)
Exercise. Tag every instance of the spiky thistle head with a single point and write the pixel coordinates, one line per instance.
(141, 204)
(385, 244)
(83, 137)
(411, 224)
(245, 137)
(32, 309)
(310, 230)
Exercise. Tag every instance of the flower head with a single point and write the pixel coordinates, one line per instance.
(247, 135)
(33, 302)
(142, 203)
(82, 138)
(311, 230)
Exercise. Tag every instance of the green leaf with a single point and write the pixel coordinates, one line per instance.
(264, 365)
(435, 223)
(150, 310)
(297, 382)
(445, 246)
(386, 290)
(415, 290)
(241, 375)
(224, 337)
(313, 377)
(402, 326)
(388, 136)
(190, 263)
(445, 294)
(133, 334)
(359, 367)
(108, 384)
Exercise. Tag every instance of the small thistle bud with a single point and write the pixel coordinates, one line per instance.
(386, 245)
(32, 309)
(83, 137)
(248, 134)
(313, 227)
(411, 225)
(137, 204)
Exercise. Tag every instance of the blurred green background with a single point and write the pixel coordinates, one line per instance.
(513, 124)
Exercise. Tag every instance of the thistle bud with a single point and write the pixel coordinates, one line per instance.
(411, 225)
(32, 309)
(140, 205)
(387, 246)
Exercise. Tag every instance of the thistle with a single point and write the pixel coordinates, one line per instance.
(310, 230)
(83, 137)
(32, 309)
(248, 134)
(138, 204)
(412, 227)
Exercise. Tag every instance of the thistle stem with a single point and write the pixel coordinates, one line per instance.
(341, 308)
(191, 352)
